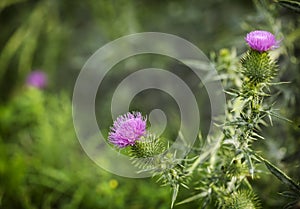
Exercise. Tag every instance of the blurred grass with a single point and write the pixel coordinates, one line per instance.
(43, 166)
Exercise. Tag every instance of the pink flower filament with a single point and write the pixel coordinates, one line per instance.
(261, 41)
(127, 129)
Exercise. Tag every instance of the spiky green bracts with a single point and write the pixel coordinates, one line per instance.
(258, 67)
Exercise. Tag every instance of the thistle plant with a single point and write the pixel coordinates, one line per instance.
(147, 151)
(218, 175)
(37, 79)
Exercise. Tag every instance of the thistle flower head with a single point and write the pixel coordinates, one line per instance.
(261, 41)
(37, 79)
(127, 129)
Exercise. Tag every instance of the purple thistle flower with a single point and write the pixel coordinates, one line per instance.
(127, 129)
(261, 41)
(37, 79)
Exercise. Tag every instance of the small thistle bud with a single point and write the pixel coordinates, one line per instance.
(240, 199)
(127, 129)
(234, 168)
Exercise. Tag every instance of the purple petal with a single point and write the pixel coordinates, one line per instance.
(261, 41)
(127, 129)
(37, 79)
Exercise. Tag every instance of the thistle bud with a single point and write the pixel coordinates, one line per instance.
(258, 67)
(240, 199)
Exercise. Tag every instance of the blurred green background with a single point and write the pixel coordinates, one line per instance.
(41, 162)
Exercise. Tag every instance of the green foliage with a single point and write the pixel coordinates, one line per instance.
(40, 30)
(43, 166)
(293, 5)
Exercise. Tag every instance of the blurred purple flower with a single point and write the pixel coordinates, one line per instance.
(261, 41)
(37, 79)
(127, 129)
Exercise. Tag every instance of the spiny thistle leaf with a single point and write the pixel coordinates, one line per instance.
(195, 197)
(293, 5)
(175, 193)
(282, 176)
(174, 175)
